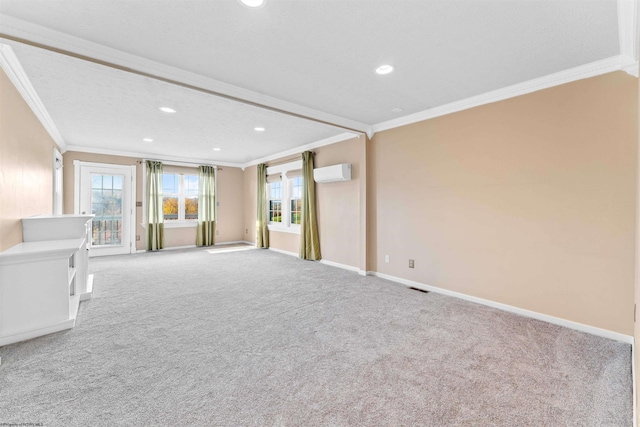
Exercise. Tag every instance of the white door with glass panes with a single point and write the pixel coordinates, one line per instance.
(106, 191)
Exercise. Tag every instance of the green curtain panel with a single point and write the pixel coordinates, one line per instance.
(155, 217)
(262, 232)
(206, 206)
(309, 241)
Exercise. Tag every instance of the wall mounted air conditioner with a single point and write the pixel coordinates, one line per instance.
(333, 173)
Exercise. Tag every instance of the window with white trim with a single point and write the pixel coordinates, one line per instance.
(180, 197)
(296, 200)
(284, 197)
(275, 202)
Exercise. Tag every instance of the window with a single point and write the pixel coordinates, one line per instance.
(284, 197)
(275, 202)
(296, 200)
(179, 197)
(190, 197)
(106, 204)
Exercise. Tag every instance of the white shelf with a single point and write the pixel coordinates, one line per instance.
(43, 279)
(28, 250)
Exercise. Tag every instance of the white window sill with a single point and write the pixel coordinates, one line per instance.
(180, 224)
(294, 229)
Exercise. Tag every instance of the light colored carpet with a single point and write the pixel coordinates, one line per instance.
(257, 338)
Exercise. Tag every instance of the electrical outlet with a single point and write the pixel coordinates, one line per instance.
(137, 238)
(386, 258)
(411, 263)
(246, 231)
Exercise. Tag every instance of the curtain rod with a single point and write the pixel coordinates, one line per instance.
(287, 160)
(185, 164)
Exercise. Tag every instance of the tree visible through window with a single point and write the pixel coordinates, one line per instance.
(275, 202)
(191, 197)
(296, 200)
(179, 197)
(170, 196)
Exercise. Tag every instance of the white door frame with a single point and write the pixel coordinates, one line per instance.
(77, 164)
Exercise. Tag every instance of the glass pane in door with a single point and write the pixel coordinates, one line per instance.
(106, 205)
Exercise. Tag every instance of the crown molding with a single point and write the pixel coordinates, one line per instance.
(19, 29)
(10, 64)
(582, 72)
(628, 29)
(142, 155)
(297, 150)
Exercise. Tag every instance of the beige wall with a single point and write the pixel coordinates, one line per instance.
(289, 242)
(229, 185)
(230, 199)
(250, 200)
(338, 203)
(528, 202)
(26, 164)
(637, 269)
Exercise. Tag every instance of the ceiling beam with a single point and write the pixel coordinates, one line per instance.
(19, 31)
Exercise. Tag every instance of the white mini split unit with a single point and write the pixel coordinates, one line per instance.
(333, 173)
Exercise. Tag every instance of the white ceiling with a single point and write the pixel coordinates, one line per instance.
(310, 57)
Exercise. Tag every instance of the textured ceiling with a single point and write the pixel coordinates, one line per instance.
(97, 107)
(320, 55)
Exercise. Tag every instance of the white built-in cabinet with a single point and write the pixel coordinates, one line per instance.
(44, 278)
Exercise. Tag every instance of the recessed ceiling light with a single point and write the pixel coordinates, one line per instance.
(253, 3)
(167, 110)
(397, 110)
(259, 129)
(216, 149)
(384, 69)
(147, 140)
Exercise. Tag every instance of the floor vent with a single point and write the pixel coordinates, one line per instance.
(419, 290)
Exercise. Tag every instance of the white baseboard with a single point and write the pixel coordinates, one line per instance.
(233, 242)
(521, 311)
(281, 251)
(338, 265)
(173, 248)
(323, 261)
